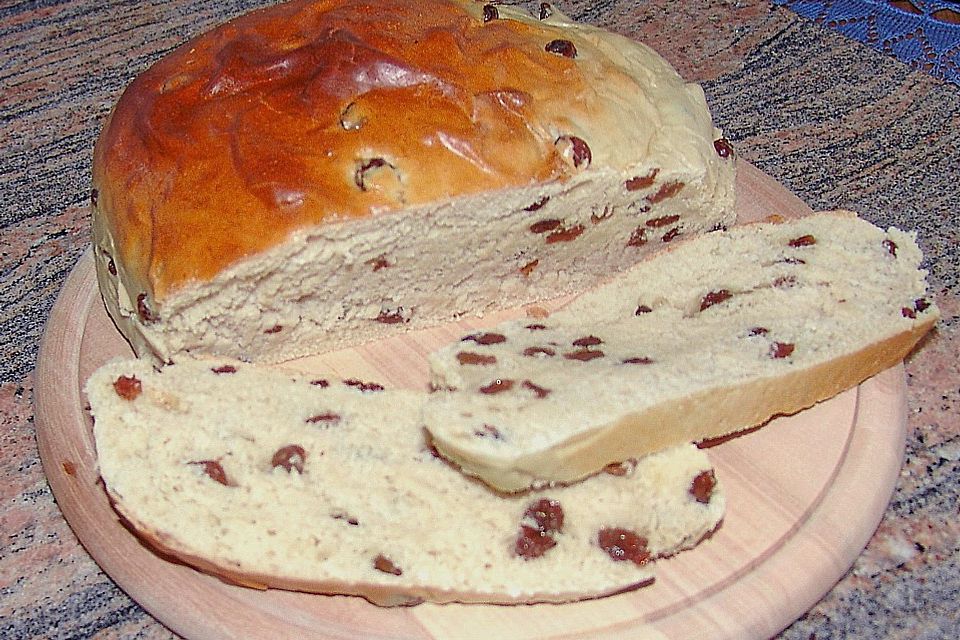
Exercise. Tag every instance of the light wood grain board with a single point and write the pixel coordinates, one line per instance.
(804, 495)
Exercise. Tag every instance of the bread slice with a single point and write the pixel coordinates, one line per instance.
(317, 174)
(716, 335)
(267, 479)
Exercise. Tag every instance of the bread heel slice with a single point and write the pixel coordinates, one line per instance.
(717, 335)
(273, 480)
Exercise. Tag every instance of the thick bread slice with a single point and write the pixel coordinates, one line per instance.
(373, 512)
(716, 335)
(318, 174)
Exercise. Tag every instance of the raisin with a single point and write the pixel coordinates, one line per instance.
(386, 565)
(497, 386)
(380, 262)
(346, 517)
(147, 316)
(620, 468)
(638, 238)
(488, 431)
(544, 226)
(781, 349)
(545, 10)
(528, 268)
(623, 545)
(642, 309)
(670, 235)
(467, 357)
(584, 355)
(289, 457)
(575, 150)
(547, 513)
(803, 241)
(641, 182)
(538, 352)
(666, 190)
(723, 147)
(702, 486)
(363, 386)
(485, 338)
(587, 341)
(714, 297)
(565, 235)
(392, 317)
(323, 384)
(214, 470)
(227, 368)
(921, 304)
(784, 282)
(490, 13)
(662, 221)
(638, 360)
(891, 247)
(561, 47)
(538, 204)
(538, 391)
(758, 331)
(325, 418)
(536, 327)
(597, 218)
(532, 543)
(128, 387)
(907, 312)
(277, 328)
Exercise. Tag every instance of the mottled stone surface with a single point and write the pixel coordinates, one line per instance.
(838, 123)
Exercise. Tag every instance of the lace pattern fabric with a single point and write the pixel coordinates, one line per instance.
(922, 33)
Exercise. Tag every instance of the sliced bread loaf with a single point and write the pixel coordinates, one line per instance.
(716, 335)
(268, 479)
(316, 174)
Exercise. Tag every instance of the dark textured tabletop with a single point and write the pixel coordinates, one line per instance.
(838, 123)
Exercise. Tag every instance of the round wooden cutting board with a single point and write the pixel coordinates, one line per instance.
(805, 493)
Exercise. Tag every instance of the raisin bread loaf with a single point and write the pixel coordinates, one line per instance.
(316, 174)
(714, 336)
(274, 481)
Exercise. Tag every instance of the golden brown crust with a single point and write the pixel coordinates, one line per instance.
(168, 548)
(314, 111)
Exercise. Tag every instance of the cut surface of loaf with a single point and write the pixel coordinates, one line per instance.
(318, 174)
(272, 480)
(714, 336)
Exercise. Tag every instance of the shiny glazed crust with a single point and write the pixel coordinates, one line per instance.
(311, 113)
